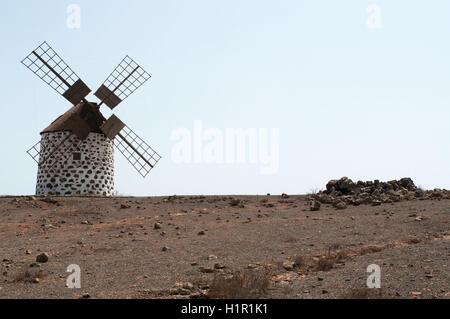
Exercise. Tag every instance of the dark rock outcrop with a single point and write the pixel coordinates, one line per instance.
(343, 192)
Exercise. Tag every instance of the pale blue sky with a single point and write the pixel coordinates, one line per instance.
(348, 100)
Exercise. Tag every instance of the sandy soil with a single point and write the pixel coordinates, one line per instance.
(123, 255)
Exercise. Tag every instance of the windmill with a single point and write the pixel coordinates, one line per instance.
(76, 152)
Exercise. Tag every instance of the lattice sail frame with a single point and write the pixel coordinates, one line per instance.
(51, 68)
(126, 78)
(140, 155)
(67, 144)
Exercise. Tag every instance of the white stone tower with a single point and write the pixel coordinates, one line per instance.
(75, 167)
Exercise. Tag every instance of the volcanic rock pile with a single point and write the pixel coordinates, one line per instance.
(343, 192)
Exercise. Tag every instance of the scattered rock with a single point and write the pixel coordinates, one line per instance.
(374, 192)
(235, 202)
(206, 270)
(42, 258)
(201, 233)
(219, 266)
(340, 205)
(314, 205)
(188, 285)
(288, 265)
(376, 202)
(165, 248)
(284, 196)
(124, 206)
(157, 226)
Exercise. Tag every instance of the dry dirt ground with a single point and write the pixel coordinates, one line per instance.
(181, 247)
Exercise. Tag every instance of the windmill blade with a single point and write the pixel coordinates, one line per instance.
(136, 151)
(51, 152)
(35, 151)
(48, 66)
(126, 78)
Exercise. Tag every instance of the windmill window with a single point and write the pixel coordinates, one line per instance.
(76, 156)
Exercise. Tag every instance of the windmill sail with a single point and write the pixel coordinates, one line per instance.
(49, 67)
(126, 78)
(140, 155)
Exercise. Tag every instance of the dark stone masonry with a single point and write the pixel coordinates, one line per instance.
(76, 167)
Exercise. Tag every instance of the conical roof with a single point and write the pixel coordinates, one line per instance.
(83, 116)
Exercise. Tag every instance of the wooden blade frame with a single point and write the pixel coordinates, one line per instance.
(48, 66)
(70, 141)
(126, 78)
(140, 155)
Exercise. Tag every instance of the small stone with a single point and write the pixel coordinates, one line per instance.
(211, 257)
(195, 295)
(165, 248)
(340, 205)
(124, 206)
(201, 233)
(219, 266)
(85, 222)
(288, 265)
(157, 226)
(418, 219)
(36, 280)
(206, 270)
(376, 203)
(28, 252)
(314, 206)
(188, 285)
(34, 265)
(42, 258)
(284, 195)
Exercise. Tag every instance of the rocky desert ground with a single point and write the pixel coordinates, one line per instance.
(317, 245)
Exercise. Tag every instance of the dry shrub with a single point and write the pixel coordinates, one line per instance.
(327, 262)
(324, 263)
(241, 284)
(370, 249)
(299, 261)
(342, 255)
(28, 275)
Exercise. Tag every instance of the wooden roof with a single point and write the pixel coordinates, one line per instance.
(83, 117)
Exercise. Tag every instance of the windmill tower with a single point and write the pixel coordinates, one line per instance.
(75, 155)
